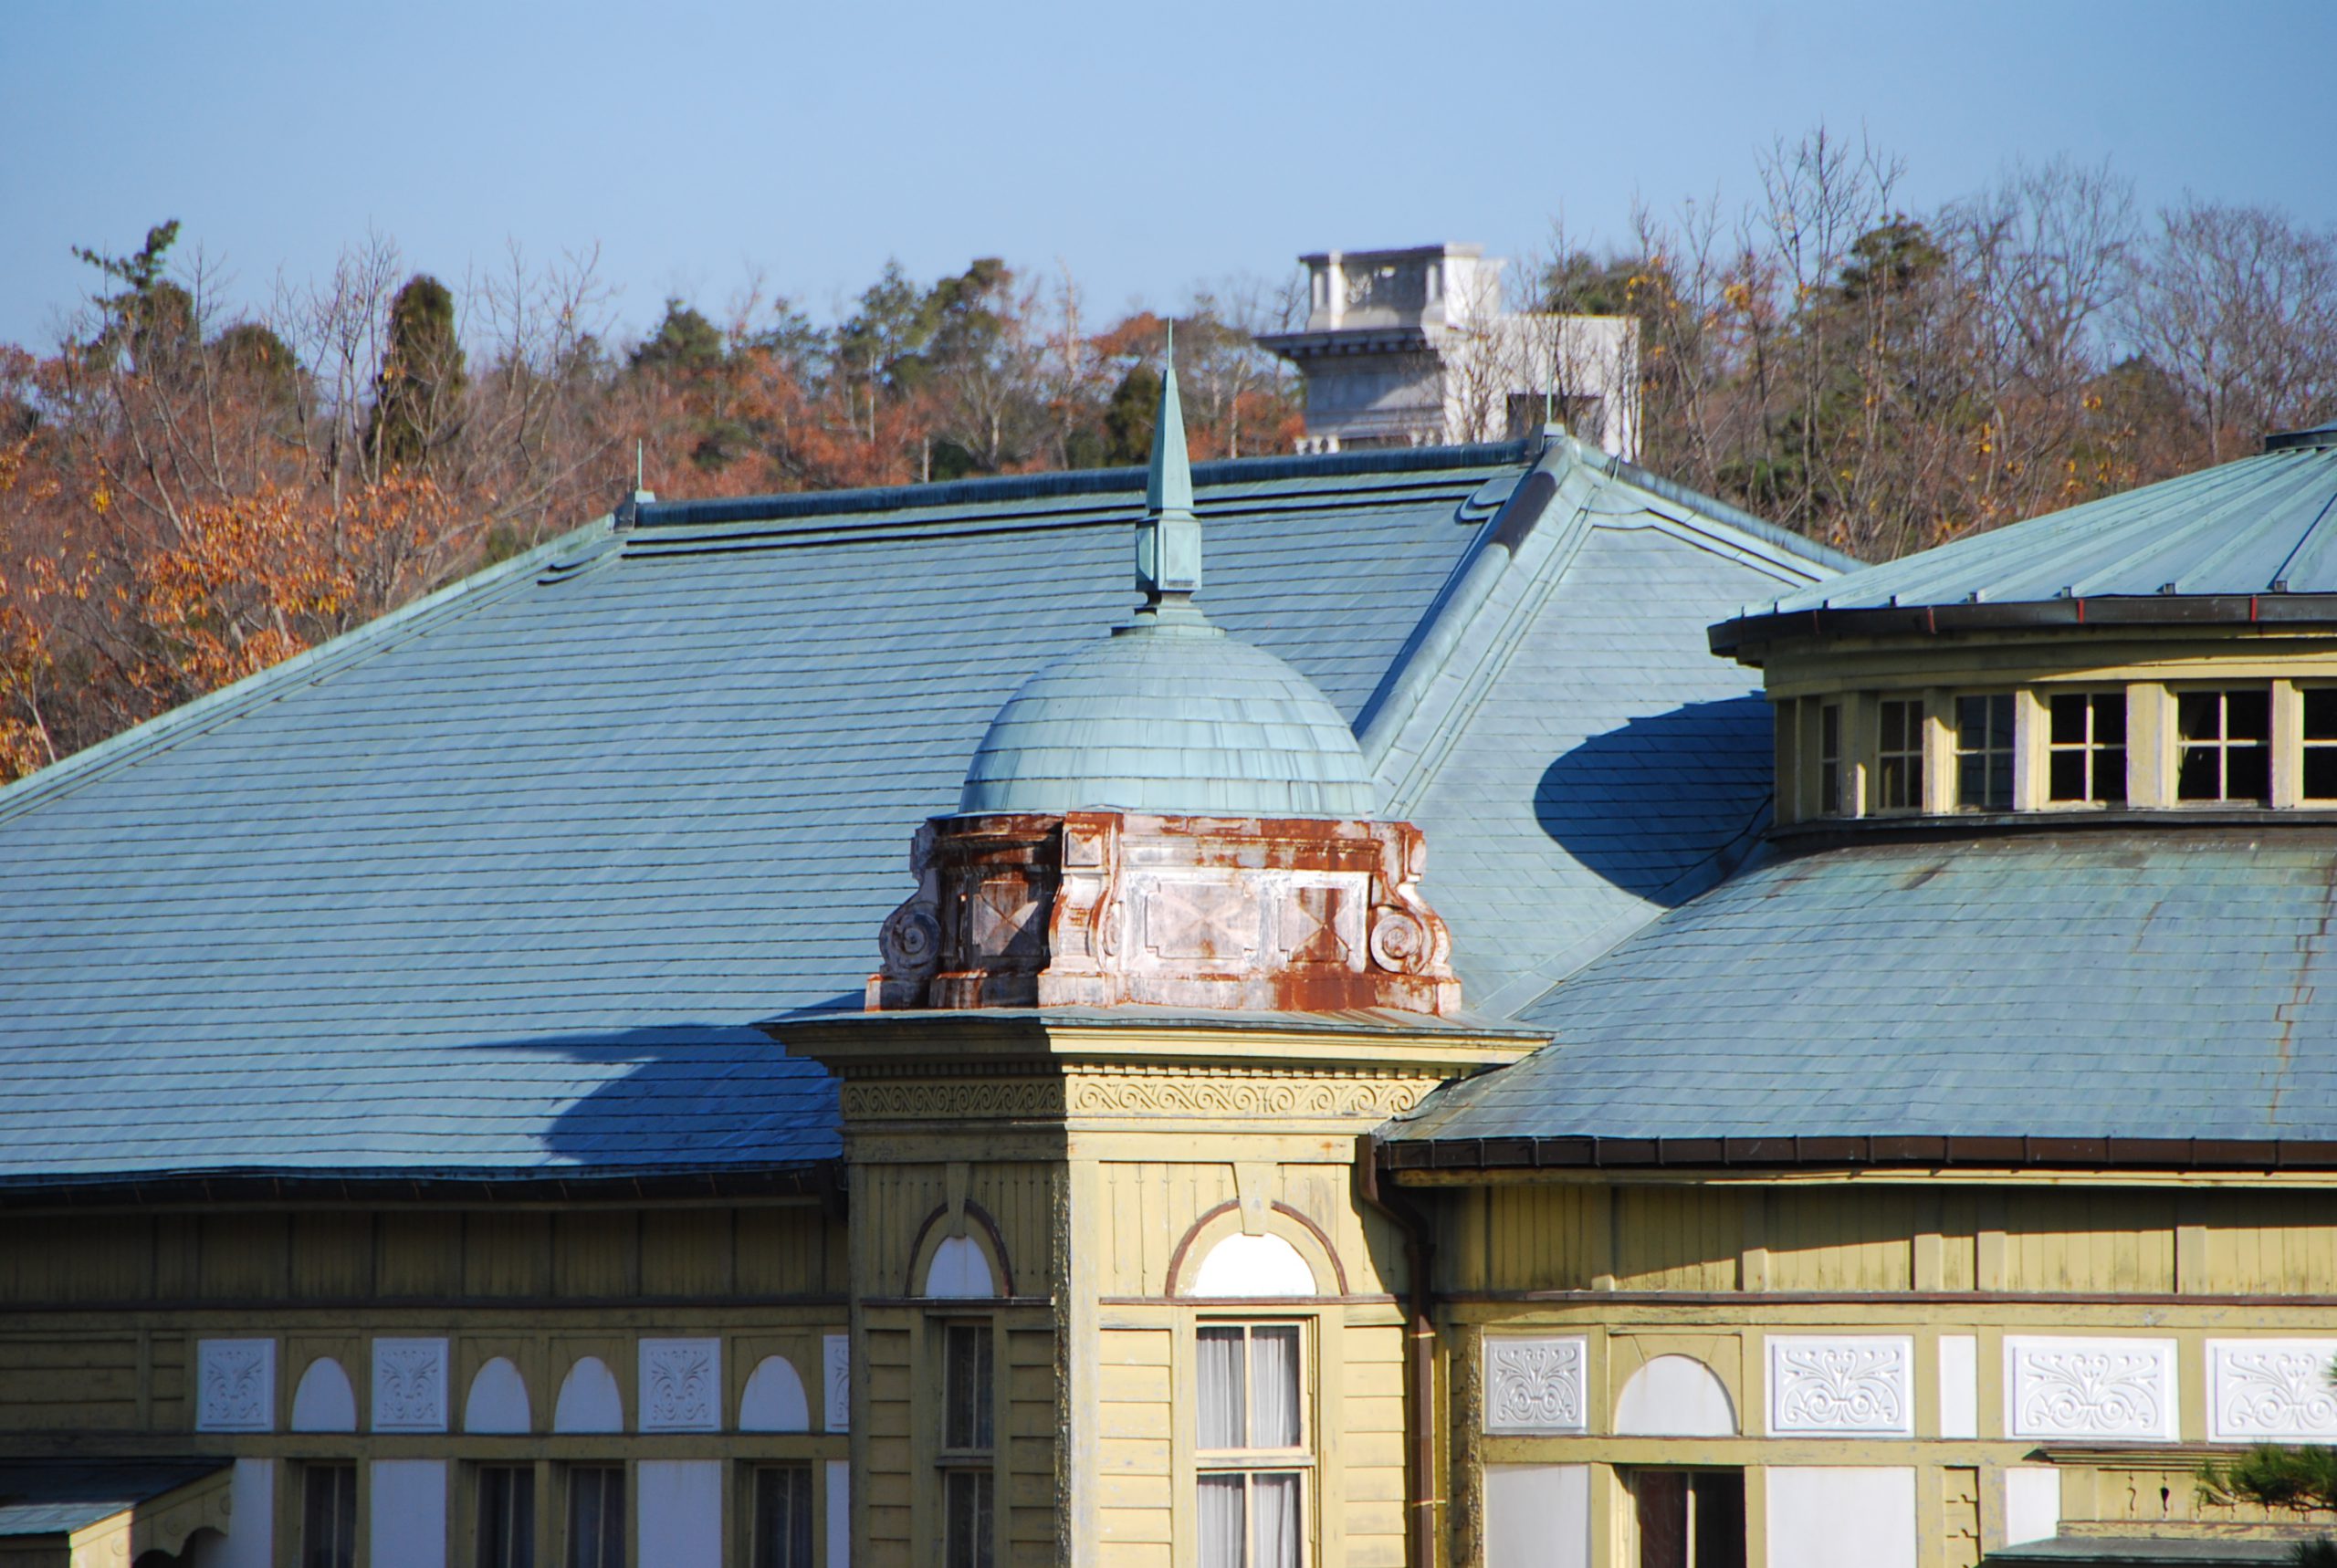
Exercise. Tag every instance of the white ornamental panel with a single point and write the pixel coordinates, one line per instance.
(1842, 1386)
(409, 1386)
(681, 1386)
(236, 1386)
(2262, 1390)
(1534, 1384)
(2116, 1388)
(836, 1358)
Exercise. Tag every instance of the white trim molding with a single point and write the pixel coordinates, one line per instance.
(2072, 1387)
(2266, 1390)
(236, 1386)
(409, 1386)
(1841, 1386)
(681, 1386)
(1536, 1385)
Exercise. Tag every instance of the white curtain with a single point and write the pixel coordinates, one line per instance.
(1274, 1499)
(1221, 1423)
(1223, 1522)
(1274, 1388)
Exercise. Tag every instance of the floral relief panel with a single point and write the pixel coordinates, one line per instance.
(681, 1386)
(409, 1386)
(835, 1355)
(1842, 1386)
(235, 1390)
(2263, 1390)
(2114, 1388)
(1534, 1384)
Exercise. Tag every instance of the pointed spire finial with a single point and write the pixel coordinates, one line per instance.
(1168, 540)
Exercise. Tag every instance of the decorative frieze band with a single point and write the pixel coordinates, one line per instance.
(409, 1386)
(2261, 1390)
(2115, 1388)
(235, 1386)
(1138, 1093)
(681, 1386)
(1534, 1384)
(1834, 1387)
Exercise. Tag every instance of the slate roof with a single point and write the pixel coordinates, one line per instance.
(494, 888)
(2263, 525)
(2177, 982)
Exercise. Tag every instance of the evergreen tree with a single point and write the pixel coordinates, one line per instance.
(417, 404)
(1128, 418)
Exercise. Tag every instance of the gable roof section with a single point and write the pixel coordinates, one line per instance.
(493, 889)
(1577, 758)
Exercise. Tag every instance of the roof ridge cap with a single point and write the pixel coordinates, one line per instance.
(231, 701)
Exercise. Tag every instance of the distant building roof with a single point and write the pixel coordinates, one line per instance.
(2258, 535)
(2087, 983)
(494, 888)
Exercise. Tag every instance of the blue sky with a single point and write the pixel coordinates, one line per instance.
(1143, 147)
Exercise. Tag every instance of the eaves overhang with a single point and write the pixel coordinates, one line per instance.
(1745, 637)
(819, 1179)
(1429, 1162)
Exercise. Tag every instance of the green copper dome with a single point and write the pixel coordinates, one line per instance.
(1169, 715)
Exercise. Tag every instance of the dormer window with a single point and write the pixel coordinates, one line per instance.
(1984, 752)
(2225, 741)
(2086, 748)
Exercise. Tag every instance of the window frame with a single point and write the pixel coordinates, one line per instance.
(1828, 739)
(972, 1463)
(353, 1472)
(565, 1475)
(1634, 1478)
(2222, 744)
(476, 1478)
(1987, 752)
(2089, 749)
(1907, 759)
(1251, 1463)
(812, 1473)
(2306, 690)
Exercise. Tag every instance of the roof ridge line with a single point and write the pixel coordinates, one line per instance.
(1074, 482)
(330, 656)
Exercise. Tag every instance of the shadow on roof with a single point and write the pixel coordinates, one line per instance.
(1646, 804)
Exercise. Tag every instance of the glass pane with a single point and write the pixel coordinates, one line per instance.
(2321, 772)
(329, 1517)
(1915, 782)
(2110, 775)
(1971, 723)
(1660, 1498)
(2198, 715)
(2109, 718)
(2000, 722)
(2248, 715)
(966, 1385)
(1718, 1502)
(2199, 778)
(1829, 730)
(1274, 1388)
(967, 1511)
(1971, 780)
(1274, 1499)
(1829, 788)
(507, 1516)
(1224, 1523)
(596, 1517)
(2000, 781)
(1223, 1424)
(2247, 773)
(2321, 713)
(783, 1518)
(2068, 719)
(2068, 782)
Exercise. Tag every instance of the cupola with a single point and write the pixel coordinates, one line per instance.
(2163, 655)
(1170, 817)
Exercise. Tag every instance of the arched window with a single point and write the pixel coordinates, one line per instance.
(1262, 1266)
(498, 1399)
(774, 1400)
(589, 1400)
(1675, 1397)
(324, 1402)
(960, 1269)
